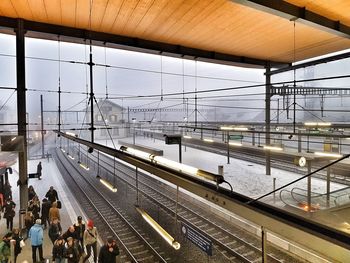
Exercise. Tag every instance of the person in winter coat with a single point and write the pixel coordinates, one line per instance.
(7, 191)
(109, 252)
(52, 195)
(54, 212)
(55, 230)
(79, 229)
(39, 168)
(90, 240)
(34, 207)
(58, 251)
(9, 213)
(45, 208)
(17, 243)
(36, 238)
(72, 252)
(5, 248)
(31, 192)
(70, 233)
(28, 221)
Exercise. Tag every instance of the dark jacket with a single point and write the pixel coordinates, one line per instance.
(72, 254)
(52, 195)
(18, 248)
(34, 207)
(10, 209)
(79, 229)
(39, 169)
(68, 234)
(58, 251)
(45, 208)
(54, 231)
(106, 256)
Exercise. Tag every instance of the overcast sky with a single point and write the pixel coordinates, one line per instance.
(121, 80)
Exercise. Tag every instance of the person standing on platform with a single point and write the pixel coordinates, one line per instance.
(52, 195)
(45, 208)
(39, 168)
(90, 240)
(9, 213)
(36, 238)
(7, 190)
(58, 251)
(28, 221)
(5, 248)
(71, 253)
(55, 230)
(31, 192)
(16, 239)
(34, 207)
(79, 229)
(54, 212)
(109, 252)
(70, 233)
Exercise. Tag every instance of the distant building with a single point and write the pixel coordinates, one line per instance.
(108, 116)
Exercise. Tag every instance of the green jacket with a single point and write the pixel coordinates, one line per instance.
(5, 251)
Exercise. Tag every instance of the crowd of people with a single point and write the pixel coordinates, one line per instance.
(74, 245)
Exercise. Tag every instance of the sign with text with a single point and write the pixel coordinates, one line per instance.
(197, 238)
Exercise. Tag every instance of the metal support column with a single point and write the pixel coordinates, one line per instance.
(91, 64)
(299, 141)
(328, 182)
(137, 186)
(21, 114)
(263, 245)
(309, 186)
(42, 127)
(228, 148)
(180, 151)
(267, 118)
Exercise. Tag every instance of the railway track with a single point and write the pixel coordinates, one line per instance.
(234, 247)
(108, 216)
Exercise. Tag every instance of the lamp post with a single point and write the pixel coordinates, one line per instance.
(134, 135)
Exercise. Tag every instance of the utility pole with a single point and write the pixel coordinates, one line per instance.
(91, 64)
(267, 117)
(42, 127)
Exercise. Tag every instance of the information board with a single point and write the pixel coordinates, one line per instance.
(197, 238)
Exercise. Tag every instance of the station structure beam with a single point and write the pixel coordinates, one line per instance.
(268, 118)
(295, 228)
(301, 14)
(76, 35)
(21, 112)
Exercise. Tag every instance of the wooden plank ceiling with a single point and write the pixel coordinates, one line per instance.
(215, 25)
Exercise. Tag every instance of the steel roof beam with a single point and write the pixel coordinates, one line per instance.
(76, 35)
(311, 63)
(300, 14)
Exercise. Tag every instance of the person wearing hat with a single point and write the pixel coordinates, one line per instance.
(79, 227)
(36, 238)
(58, 250)
(90, 240)
(109, 252)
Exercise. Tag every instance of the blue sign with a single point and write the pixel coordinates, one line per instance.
(197, 238)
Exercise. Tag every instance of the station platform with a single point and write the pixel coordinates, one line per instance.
(68, 213)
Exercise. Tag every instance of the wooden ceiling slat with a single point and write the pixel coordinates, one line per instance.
(214, 25)
(99, 7)
(188, 9)
(110, 15)
(69, 12)
(53, 9)
(137, 15)
(124, 13)
(162, 18)
(204, 15)
(148, 20)
(38, 10)
(83, 14)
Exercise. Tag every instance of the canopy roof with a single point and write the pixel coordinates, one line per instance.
(237, 27)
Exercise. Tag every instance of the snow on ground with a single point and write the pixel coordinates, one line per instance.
(245, 177)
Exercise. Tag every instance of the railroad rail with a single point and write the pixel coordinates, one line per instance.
(231, 245)
(107, 215)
